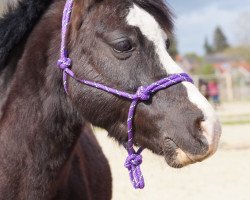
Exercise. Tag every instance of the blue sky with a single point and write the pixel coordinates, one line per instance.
(197, 19)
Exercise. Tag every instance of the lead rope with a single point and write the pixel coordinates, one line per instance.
(144, 93)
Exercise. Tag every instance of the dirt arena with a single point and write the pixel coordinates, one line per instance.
(224, 176)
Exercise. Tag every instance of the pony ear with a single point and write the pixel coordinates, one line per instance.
(90, 3)
(85, 5)
(79, 8)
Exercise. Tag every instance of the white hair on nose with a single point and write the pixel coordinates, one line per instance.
(151, 29)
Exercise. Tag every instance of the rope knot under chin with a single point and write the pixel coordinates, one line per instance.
(143, 94)
(64, 63)
(133, 163)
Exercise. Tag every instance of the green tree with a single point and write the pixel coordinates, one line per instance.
(220, 40)
(208, 48)
(207, 69)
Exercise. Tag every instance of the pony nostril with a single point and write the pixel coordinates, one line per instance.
(198, 124)
(211, 130)
(208, 137)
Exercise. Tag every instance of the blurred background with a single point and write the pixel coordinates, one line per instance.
(212, 43)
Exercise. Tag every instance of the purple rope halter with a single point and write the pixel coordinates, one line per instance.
(144, 93)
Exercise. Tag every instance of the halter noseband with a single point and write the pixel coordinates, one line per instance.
(143, 93)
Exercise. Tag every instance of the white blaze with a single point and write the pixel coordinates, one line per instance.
(151, 29)
(5, 5)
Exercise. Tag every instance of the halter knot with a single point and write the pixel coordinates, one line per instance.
(64, 63)
(143, 94)
(133, 163)
(133, 160)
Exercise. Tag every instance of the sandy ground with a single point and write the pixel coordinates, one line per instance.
(237, 111)
(226, 175)
(234, 109)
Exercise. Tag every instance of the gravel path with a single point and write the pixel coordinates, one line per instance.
(225, 176)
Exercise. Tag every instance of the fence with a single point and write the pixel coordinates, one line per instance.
(232, 86)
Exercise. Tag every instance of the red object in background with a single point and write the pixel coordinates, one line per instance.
(213, 89)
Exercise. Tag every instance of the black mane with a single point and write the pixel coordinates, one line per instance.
(160, 10)
(18, 22)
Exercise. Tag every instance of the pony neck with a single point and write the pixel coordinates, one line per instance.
(39, 126)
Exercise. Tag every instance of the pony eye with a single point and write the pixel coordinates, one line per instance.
(168, 43)
(123, 46)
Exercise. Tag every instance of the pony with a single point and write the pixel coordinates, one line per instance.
(120, 43)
